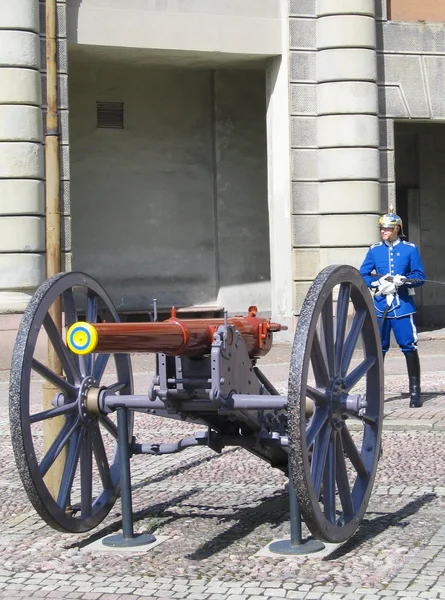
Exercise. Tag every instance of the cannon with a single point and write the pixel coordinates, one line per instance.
(325, 431)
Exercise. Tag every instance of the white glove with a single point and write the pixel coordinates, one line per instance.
(387, 287)
(399, 280)
(384, 286)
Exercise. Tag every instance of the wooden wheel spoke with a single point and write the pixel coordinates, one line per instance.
(364, 418)
(91, 317)
(69, 308)
(70, 468)
(65, 357)
(351, 451)
(352, 339)
(71, 317)
(65, 409)
(58, 381)
(327, 333)
(329, 476)
(320, 397)
(343, 486)
(318, 420)
(58, 444)
(321, 445)
(319, 364)
(100, 364)
(102, 460)
(360, 371)
(109, 425)
(86, 475)
(92, 302)
(116, 387)
(341, 320)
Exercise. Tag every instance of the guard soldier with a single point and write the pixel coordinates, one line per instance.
(388, 269)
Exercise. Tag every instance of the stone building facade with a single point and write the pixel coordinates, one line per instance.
(221, 153)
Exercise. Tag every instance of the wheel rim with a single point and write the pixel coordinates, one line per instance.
(89, 481)
(333, 463)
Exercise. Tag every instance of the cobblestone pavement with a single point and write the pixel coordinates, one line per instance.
(218, 511)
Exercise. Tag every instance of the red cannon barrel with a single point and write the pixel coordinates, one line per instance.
(173, 337)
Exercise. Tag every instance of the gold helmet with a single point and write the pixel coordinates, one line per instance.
(391, 220)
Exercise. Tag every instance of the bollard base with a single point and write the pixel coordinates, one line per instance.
(286, 547)
(119, 541)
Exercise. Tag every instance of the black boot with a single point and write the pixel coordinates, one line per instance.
(413, 365)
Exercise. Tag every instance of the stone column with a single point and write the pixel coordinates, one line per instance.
(279, 181)
(22, 231)
(347, 129)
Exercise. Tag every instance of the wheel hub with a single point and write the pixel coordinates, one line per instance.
(337, 402)
(85, 399)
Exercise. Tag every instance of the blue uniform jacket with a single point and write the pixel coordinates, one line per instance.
(396, 258)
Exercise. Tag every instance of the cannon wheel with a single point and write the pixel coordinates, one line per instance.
(333, 456)
(88, 486)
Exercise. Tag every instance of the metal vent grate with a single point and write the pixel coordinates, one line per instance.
(110, 115)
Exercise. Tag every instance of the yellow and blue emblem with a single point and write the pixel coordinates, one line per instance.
(82, 338)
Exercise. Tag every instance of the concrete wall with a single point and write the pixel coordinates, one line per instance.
(173, 206)
(241, 190)
(251, 27)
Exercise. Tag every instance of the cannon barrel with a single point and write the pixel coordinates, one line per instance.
(174, 337)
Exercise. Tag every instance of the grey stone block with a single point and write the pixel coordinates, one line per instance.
(387, 196)
(300, 8)
(401, 37)
(303, 98)
(302, 66)
(304, 165)
(306, 264)
(65, 205)
(302, 33)
(66, 234)
(63, 126)
(387, 171)
(62, 55)
(381, 10)
(305, 231)
(386, 134)
(61, 19)
(64, 162)
(305, 198)
(435, 77)
(62, 91)
(304, 132)
(407, 71)
(391, 102)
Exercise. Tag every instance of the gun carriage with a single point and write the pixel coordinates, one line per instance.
(326, 430)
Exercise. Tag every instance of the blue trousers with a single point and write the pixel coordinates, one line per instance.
(405, 332)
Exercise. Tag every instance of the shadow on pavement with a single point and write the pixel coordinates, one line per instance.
(426, 396)
(156, 511)
(370, 528)
(274, 511)
(179, 469)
